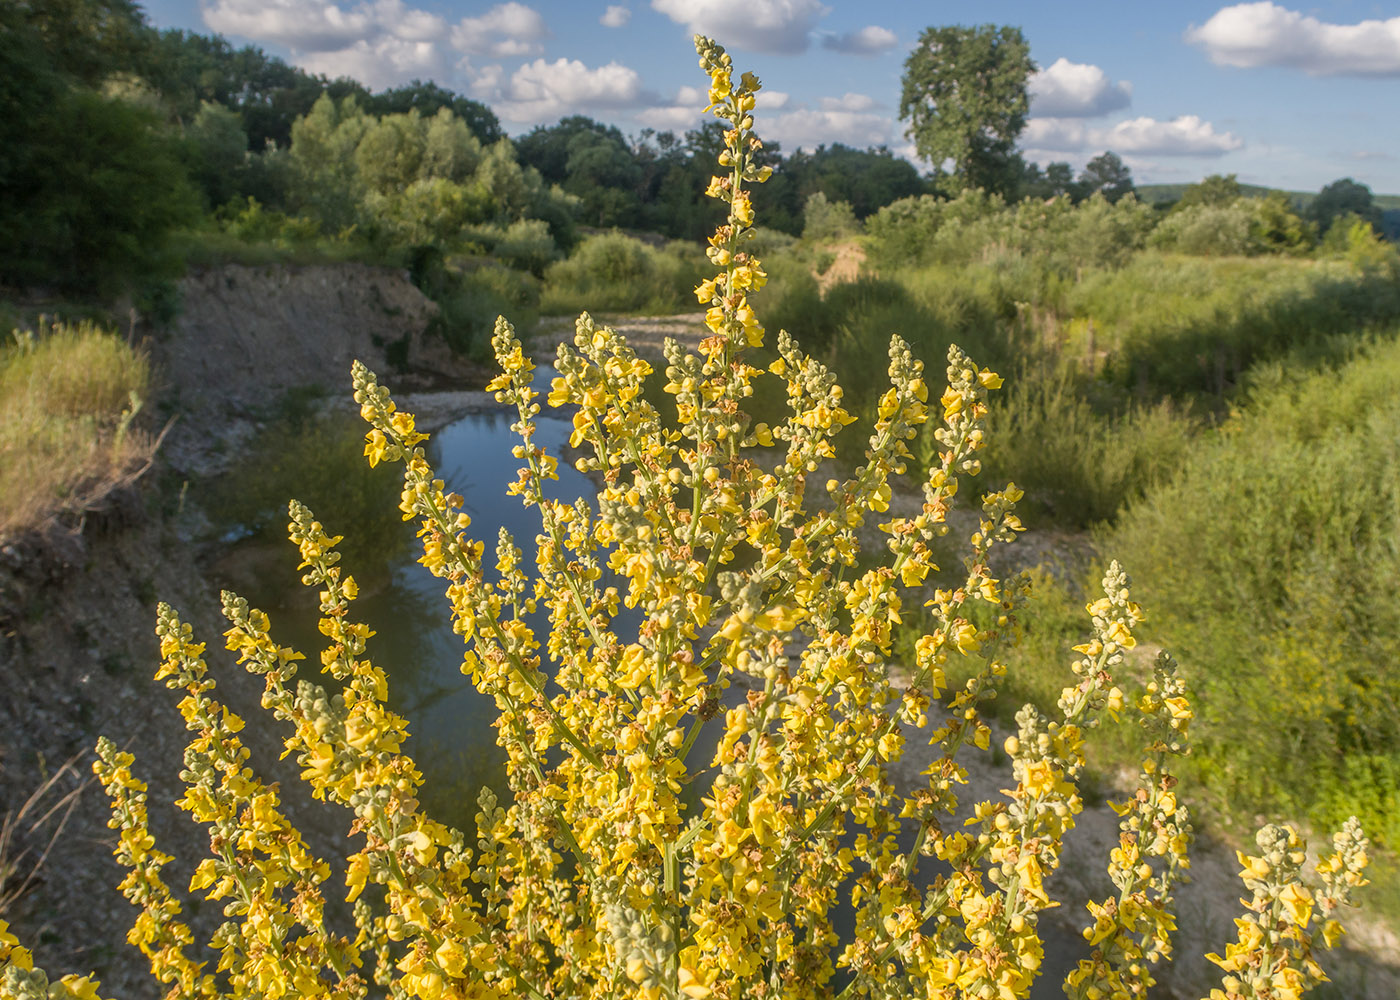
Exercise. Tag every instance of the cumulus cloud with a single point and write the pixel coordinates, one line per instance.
(809, 128)
(848, 102)
(380, 43)
(382, 63)
(541, 90)
(755, 25)
(1266, 34)
(1076, 90)
(1186, 135)
(615, 16)
(681, 114)
(319, 25)
(868, 41)
(506, 30)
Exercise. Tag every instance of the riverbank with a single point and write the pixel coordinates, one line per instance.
(78, 650)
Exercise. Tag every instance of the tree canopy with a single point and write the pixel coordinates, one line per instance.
(965, 99)
(1108, 175)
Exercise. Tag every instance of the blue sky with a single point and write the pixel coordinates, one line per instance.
(1292, 97)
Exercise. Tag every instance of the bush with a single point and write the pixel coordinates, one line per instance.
(1266, 555)
(615, 272)
(1207, 230)
(1078, 464)
(827, 220)
(729, 887)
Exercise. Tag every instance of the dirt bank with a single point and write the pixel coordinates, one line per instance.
(77, 610)
(248, 335)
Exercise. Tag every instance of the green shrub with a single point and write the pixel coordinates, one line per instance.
(1078, 464)
(827, 220)
(1272, 562)
(616, 272)
(1207, 230)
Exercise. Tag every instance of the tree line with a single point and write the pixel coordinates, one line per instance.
(114, 134)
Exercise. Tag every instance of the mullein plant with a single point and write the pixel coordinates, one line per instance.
(600, 877)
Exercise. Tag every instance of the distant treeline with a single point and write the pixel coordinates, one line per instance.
(114, 134)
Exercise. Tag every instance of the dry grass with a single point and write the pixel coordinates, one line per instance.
(22, 832)
(68, 398)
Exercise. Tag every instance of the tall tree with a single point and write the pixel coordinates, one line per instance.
(1108, 175)
(964, 97)
(1342, 197)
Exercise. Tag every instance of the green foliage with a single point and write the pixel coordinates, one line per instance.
(1341, 198)
(1217, 189)
(1206, 229)
(216, 154)
(1056, 236)
(964, 97)
(93, 189)
(616, 272)
(1271, 558)
(827, 220)
(470, 293)
(1108, 175)
(90, 187)
(1168, 325)
(1353, 238)
(1277, 228)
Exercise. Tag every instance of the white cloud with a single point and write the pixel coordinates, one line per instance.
(380, 43)
(755, 25)
(868, 41)
(379, 64)
(1076, 90)
(506, 30)
(848, 102)
(1265, 34)
(615, 16)
(319, 25)
(806, 128)
(684, 113)
(1186, 135)
(772, 100)
(541, 90)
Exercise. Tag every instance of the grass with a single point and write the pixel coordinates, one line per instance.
(27, 834)
(68, 398)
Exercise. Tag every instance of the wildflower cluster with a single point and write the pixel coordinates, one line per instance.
(693, 802)
(1272, 958)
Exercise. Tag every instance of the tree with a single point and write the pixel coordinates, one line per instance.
(1108, 175)
(1340, 198)
(1217, 190)
(428, 98)
(89, 186)
(964, 97)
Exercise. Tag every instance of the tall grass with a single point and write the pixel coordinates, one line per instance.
(1078, 464)
(1172, 324)
(68, 395)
